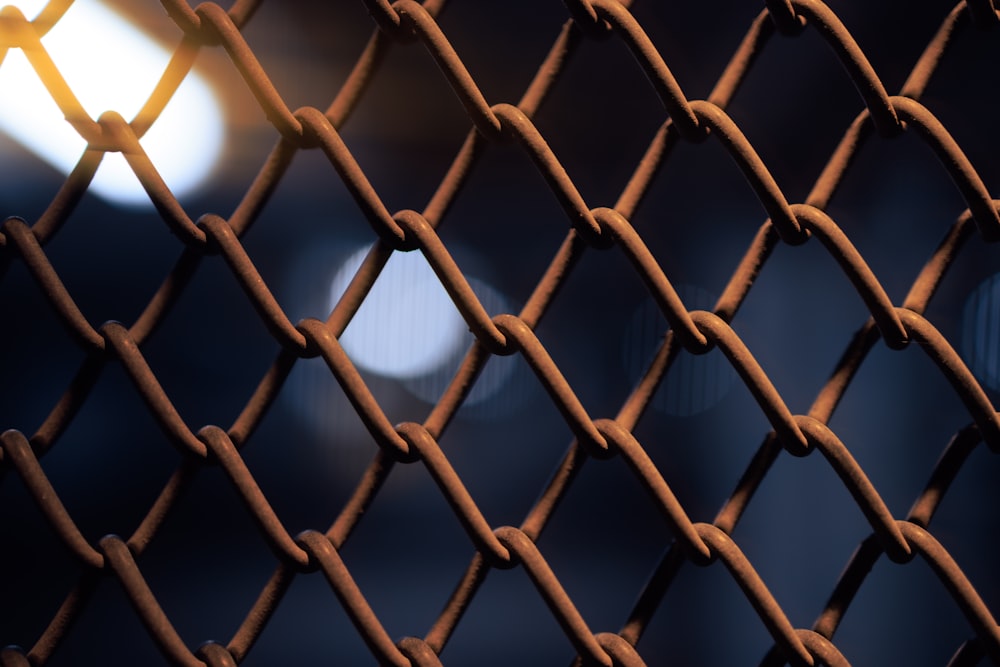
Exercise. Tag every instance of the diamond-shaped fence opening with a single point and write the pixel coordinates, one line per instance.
(499, 333)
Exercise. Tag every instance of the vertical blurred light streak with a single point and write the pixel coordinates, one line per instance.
(980, 342)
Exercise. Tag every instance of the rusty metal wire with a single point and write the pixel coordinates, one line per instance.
(316, 553)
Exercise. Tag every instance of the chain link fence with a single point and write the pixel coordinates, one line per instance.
(266, 454)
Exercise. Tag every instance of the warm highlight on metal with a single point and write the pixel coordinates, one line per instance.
(588, 225)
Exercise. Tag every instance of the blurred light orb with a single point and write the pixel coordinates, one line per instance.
(407, 326)
(110, 65)
(491, 380)
(981, 332)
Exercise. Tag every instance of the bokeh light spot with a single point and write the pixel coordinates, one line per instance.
(408, 325)
(491, 380)
(110, 65)
(981, 332)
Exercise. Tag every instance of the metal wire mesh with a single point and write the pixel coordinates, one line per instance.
(615, 577)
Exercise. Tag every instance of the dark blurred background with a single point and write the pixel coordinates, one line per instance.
(208, 564)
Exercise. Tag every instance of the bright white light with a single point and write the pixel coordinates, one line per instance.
(408, 325)
(491, 380)
(109, 64)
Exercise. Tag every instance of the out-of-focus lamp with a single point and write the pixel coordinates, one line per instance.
(108, 64)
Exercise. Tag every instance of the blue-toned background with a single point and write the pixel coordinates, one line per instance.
(208, 564)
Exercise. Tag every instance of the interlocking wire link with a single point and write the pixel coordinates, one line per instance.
(588, 226)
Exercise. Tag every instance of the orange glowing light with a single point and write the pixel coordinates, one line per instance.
(102, 62)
